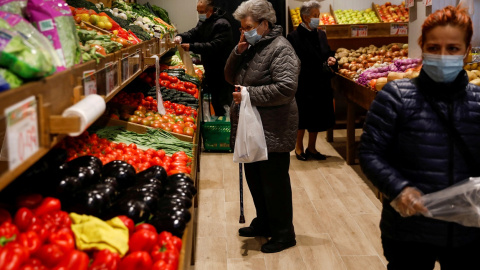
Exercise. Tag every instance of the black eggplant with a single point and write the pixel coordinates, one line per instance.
(179, 196)
(157, 172)
(164, 222)
(176, 211)
(92, 202)
(86, 161)
(152, 180)
(122, 171)
(151, 199)
(184, 186)
(108, 190)
(178, 190)
(186, 203)
(137, 210)
(110, 180)
(179, 177)
(69, 185)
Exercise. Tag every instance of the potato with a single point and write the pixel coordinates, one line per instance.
(380, 83)
(471, 75)
(476, 81)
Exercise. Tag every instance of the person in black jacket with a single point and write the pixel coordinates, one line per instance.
(314, 95)
(212, 39)
(407, 150)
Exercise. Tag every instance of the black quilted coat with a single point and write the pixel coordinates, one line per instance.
(269, 70)
(405, 144)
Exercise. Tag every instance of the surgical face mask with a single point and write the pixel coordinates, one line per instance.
(314, 22)
(252, 36)
(202, 17)
(442, 68)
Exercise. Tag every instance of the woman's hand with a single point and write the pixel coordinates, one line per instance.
(331, 61)
(186, 46)
(237, 96)
(242, 44)
(409, 202)
(177, 40)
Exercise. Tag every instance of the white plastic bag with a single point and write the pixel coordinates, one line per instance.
(459, 203)
(250, 144)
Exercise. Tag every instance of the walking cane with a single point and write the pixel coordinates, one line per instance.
(240, 170)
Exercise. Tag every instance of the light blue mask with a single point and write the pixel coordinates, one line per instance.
(252, 36)
(202, 17)
(442, 68)
(314, 22)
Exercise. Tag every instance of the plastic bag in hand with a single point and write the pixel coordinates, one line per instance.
(459, 203)
(250, 144)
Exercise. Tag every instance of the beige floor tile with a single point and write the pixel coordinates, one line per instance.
(246, 263)
(369, 224)
(350, 194)
(294, 180)
(211, 174)
(231, 178)
(318, 252)
(209, 265)
(286, 260)
(347, 236)
(306, 219)
(245, 247)
(363, 262)
(315, 185)
(210, 213)
(371, 196)
(211, 195)
(211, 249)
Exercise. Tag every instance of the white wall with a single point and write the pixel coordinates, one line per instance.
(182, 13)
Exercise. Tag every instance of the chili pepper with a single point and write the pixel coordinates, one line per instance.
(23, 218)
(5, 216)
(12, 256)
(128, 223)
(63, 238)
(74, 260)
(142, 240)
(30, 240)
(145, 226)
(30, 201)
(105, 260)
(48, 205)
(8, 229)
(50, 255)
(136, 260)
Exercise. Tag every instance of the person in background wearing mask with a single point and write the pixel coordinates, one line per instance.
(408, 147)
(265, 64)
(212, 39)
(315, 94)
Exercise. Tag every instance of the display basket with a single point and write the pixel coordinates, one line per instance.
(216, 136)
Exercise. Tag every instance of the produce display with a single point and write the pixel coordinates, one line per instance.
(393, 13)
(327, 19)
(473, 71)
(295, 15)
(351, 16)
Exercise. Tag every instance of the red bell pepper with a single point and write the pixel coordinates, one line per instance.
(128, 223)
(30, 240)
(63, 238)
(162, 265)
(5, 216)
(74, 260)
(12, 256)
(37, 226)
(23, 218)
(142, 240)
(166, 252)
(48, 205)
(145, 226)
(177, 242)
(136, 260)
(30, 201)
(8, 230)
(33, 264)
(105, 260)
(50, 255)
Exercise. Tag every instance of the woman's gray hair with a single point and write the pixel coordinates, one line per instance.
(257, 9)
(307, 7)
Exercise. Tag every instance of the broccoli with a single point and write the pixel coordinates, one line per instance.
(123, 23)
(138, 31)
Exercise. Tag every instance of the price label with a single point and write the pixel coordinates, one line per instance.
(427, 2)
(89, 82)
(410, 3)
(323, 28)
(399, 29)
(110, 72)
(22, 131)
(359, 30)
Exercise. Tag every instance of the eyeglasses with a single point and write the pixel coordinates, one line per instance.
(249, 28)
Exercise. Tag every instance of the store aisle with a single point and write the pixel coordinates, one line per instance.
(336, 216)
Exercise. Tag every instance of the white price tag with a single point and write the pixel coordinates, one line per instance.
(359, 30)
(110, 77)
(89, 82)
(399, 29)
(410, 3)
(22, 131)
(427, 2)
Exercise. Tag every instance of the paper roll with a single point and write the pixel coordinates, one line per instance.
(88, 109)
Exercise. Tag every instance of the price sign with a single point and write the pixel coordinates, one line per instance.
(110, 72)
(410, 3)
(399, 29)
(323, 28)
(359, 30)
(427, 2)
(22, 131)
(89, 82)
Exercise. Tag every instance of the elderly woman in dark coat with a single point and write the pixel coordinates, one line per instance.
(314, 95)
(265, 64)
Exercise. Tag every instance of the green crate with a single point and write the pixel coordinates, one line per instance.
(216, 136)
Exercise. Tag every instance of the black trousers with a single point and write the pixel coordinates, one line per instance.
(269, 184)
(420, 256)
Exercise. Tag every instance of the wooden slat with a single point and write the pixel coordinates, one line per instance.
(64, 125)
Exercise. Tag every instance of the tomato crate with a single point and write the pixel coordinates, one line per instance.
(216, 136)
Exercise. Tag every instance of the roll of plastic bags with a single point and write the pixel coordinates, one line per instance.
(459, 203)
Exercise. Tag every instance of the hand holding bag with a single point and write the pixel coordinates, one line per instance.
(250, 144)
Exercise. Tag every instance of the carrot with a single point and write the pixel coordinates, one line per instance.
(163, 22)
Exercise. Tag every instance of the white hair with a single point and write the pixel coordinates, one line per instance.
(257, 9)
(307, 7)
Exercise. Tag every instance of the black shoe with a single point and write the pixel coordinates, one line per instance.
(274, 246)
(317, 156)
(252, 232)
(301, 157)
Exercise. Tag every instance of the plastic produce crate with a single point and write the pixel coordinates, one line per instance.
(216, 136)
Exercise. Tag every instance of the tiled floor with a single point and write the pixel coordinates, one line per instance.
(336, 216)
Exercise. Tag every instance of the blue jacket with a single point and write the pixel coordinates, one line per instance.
(405, 144)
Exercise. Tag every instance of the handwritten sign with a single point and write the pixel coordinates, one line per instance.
(410, 3)
(22, 131)
(89, 82)
(399, 29)
(427, 2)
(359, 30)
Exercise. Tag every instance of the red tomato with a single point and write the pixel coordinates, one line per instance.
(145, 226)
(173, 79)
(173, 86)
(182, 88)
(188, 131)
(177, 130)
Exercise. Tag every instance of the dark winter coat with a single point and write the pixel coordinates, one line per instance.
(405, 144)
(269, 70)
(315, 94)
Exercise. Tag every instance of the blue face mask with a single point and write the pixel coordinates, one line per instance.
(252, 36)
(314, 22)
(202, 17)
(442, 68)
